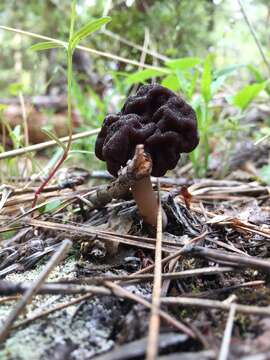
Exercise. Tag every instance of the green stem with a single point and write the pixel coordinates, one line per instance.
(69, 120)
(206, 135)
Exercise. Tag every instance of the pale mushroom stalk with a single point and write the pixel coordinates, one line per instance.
(146, 201)
(142, 189)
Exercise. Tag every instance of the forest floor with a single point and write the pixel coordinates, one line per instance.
(96, 302)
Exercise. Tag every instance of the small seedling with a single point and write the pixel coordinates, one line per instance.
(74, 39)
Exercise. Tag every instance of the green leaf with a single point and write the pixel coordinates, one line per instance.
(228, 70)
(207, 79)
(183, 81)
(54, 159)
(16, 136)
(193, 82)
(171, 81)
(45, 45)
(142, 76)
(256, 73)
(54, 137)
(15, 88)
(217, 84)
(221, 75)
(88, 29)
(184, 63)
(246, 95)
(50, 206)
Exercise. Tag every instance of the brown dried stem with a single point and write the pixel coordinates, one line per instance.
(154, 323)
(46, 144)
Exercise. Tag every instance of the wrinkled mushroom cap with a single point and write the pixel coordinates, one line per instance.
(155, 117)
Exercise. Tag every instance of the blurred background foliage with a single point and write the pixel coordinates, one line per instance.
(176, 29)
(204, 48)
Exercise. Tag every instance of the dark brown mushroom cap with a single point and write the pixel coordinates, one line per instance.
(155, 117)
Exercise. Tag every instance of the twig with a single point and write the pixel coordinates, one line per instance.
(77, 286)
(26, 298)
(8, 298)
(228, 258)
(179, 275)
(135, 46)
(45, 144)
(215, 292)
(48, 101)
(145, 47)
(99, 234)
(131, 173)
(53, 289)
(50, 311)
(253, 33)
(84, 48)
(154, 324)
(215, 304)
(225, 346)
(28, 166)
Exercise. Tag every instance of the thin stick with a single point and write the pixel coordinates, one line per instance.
(46, 144)
(215, 292)
(24, 117)
(28, 163)
(165, 276)
(135, 46)
(26, 298)
(145, 47)
(84, 48)
(100, 234)
(215, 304)
(9, 298)
(253, 33)
(154, 324)
(50, 311)
(225, 346)
(229, 258)
(78, 286)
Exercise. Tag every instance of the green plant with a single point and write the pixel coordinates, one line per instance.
(74, 40)
(246, 95)
(199, 82)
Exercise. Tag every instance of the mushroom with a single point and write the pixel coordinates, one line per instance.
(163, 123)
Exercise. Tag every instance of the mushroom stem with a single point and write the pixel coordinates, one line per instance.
(146, 201)
(142, 189)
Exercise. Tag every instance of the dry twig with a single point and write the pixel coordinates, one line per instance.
(45, 144)
(154, 323)
(77, 286)
(215, 304)
(225, 346)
